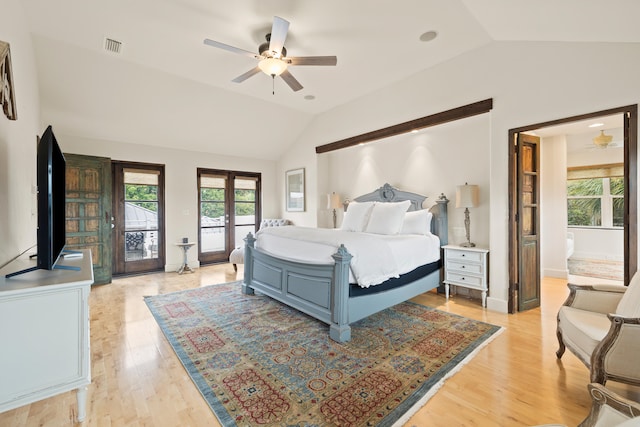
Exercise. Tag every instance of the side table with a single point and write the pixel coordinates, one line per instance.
(185, 262)
(466, 267)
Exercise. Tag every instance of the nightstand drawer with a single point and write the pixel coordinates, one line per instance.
(465, 280)
(464, 267)
(463, 255)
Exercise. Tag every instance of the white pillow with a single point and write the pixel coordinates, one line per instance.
(356, 216)
(417, 222)
(386, 218)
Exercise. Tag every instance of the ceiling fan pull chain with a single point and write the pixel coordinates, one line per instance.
(273, 84)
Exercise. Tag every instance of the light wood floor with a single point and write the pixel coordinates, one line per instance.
(137, 380)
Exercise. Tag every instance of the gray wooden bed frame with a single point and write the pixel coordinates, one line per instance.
(322, 290)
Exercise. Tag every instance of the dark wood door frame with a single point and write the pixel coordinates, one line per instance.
(120, 266)
(630, 113)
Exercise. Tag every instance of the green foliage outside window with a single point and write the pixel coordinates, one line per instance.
(585, 201)
(140, 194)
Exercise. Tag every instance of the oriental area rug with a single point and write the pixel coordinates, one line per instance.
(258, 362)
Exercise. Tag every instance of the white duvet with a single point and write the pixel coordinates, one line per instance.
(376, 257)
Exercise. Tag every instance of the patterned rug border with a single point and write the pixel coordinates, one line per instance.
(402, 413)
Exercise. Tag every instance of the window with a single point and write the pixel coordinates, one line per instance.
(595, 196)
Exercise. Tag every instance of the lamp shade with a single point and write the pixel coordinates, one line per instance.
(333, 201)
(272, 66)
(467, 196)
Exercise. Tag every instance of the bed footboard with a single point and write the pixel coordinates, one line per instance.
(319, 290)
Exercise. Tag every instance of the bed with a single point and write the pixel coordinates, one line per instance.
(323, 289)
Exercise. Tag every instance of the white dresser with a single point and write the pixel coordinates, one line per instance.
(466, 267)
(44, 333)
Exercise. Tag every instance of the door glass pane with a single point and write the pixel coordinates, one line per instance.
(245, 208)
(141, 207)
(212, 213)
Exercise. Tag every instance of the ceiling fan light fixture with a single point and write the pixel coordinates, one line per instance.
(602, 140)
(272, 66)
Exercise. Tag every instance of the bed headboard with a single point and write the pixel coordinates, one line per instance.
(440, 222)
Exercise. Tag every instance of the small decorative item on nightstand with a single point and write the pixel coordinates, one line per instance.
(466, 267)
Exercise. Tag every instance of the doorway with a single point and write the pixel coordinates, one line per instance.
(525, 265)
(228, 208)
(138, 217)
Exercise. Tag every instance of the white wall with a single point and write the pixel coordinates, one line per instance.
(553, 206)
(181, 191)
(18, 139)
(429, 162)
(530, 82)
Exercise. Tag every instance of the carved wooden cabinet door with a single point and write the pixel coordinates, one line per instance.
(89, 210)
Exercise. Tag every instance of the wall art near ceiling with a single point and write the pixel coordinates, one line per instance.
(7, 93)
(295, 190)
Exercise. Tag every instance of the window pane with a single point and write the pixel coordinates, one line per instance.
(212, 239)
(617, 186)
(245, 195)
(141, 215)
(212, 194)
(585, 212)
(212, 214)
(140, 192)
(141, 245)
(618, 212)
(584, 187)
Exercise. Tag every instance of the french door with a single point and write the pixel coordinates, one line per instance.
(228, 209)
(138, 217)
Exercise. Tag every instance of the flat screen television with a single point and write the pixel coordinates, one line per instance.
(51, 181)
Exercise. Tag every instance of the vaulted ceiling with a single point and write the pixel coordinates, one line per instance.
(167, 88)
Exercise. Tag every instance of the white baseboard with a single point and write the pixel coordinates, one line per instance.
(498, 305)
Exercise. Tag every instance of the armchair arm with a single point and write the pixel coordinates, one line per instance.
(614, 358)
(601, 396)
(597, 298)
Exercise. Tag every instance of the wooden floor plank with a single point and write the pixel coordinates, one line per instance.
(139, 381)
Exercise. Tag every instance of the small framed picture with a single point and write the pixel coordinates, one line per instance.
(295, 190)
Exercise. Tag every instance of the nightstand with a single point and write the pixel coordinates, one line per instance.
(466, 267)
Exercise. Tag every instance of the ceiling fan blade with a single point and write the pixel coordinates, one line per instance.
(291, 81)
(230, 48)
(245, 76)
(279, 31)
(312, 60)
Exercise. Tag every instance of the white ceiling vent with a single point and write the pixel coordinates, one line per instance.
(111, 45)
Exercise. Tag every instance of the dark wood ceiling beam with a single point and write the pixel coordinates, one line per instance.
(463, 112)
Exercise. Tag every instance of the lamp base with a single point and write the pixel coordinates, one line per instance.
(468, 245)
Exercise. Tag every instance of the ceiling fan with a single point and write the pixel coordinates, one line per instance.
(272, 56)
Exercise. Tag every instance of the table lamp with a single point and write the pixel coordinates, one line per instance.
(333, 202)
(467, 197)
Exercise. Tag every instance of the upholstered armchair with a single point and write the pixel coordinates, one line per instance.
(237, 255)
(610, 409)
(600, 324)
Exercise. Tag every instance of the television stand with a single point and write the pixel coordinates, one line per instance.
(45, 337)
(65, 254)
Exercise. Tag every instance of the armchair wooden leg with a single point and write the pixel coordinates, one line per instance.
(235, 267)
